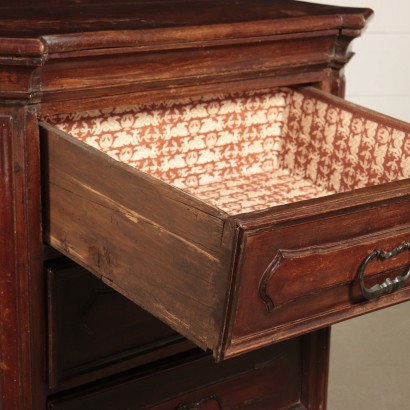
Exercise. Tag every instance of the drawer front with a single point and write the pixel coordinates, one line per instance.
(94, 331)
(299, 276)
(270, 378)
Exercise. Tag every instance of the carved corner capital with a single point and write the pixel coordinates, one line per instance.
(19, 74)
(342, 51)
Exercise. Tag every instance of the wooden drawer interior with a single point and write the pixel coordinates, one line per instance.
(94, 331)
(225, 186)
(249, 151)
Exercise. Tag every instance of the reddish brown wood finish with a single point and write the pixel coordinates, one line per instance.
(160, 44)
(210, 64)
(270, 378)
(305, 280)
(94, 332)
(316, 351)
(65, 25)
(22, 338)
(51, 54)
(277, 274)
(169, 248)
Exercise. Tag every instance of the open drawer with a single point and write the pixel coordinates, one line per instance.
(252, 217)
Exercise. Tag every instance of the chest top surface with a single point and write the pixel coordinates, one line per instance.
(55, 26)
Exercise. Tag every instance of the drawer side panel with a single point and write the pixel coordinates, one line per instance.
(153, 244)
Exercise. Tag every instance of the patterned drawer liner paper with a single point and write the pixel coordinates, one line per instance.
(248, 151)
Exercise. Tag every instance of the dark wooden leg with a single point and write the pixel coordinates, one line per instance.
(316, 349)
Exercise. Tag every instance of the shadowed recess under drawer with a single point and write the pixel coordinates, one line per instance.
(205, 211)
(94, 332)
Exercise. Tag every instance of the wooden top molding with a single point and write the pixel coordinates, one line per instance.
(53, 27)
(88, 52)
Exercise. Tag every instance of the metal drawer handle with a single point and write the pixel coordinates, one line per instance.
(197, 404)
(389, 285)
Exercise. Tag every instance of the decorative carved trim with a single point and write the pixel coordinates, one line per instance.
(263, 284)
(325, 249)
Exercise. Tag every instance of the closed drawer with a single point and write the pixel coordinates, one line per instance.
(271, 378)
(250, 217)
(94, 331)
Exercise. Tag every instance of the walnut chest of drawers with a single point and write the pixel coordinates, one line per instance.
(186, 174)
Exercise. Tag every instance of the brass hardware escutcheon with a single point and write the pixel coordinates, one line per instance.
(389, 285)
(198, 404)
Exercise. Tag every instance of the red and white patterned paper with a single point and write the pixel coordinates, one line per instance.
(340, 150)
(248, 151)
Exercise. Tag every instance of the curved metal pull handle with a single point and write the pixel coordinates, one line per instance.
(389, 285)
(197, 404)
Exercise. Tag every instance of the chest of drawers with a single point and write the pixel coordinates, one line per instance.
(198, 158)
